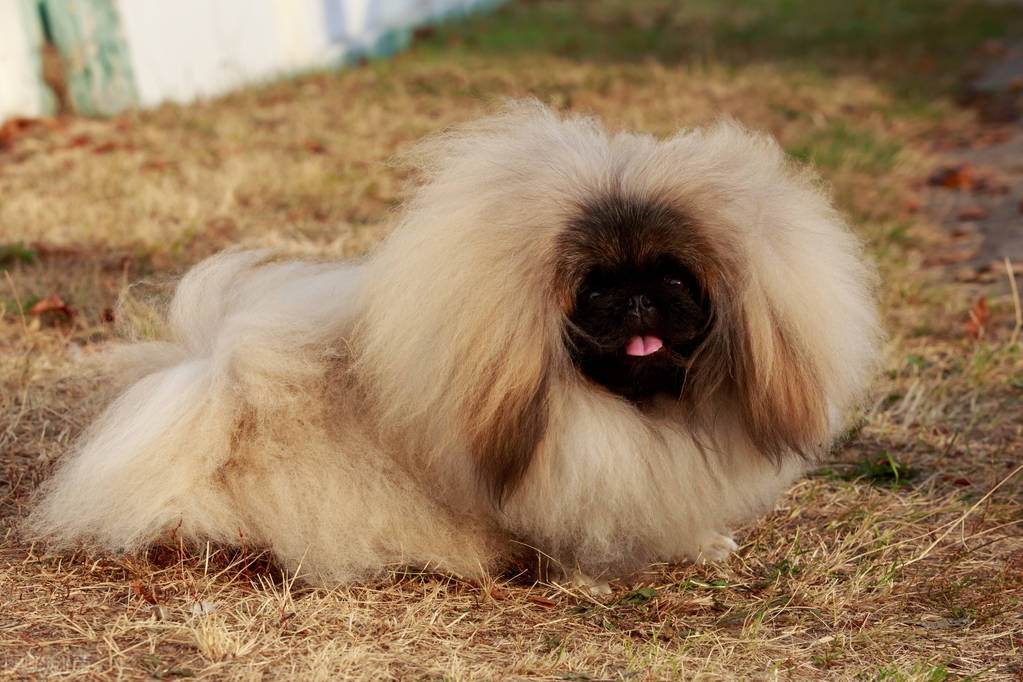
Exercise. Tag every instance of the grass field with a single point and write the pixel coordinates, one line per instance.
(900, 558)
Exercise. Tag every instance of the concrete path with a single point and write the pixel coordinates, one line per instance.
(978, 196)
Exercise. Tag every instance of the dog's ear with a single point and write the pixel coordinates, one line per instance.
(505, 427)
(781, 399)
(457, 363)
(771, 383)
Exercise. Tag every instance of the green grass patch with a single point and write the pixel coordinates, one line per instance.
(881, 470)
(917, 44)
(15, 253)
(839, 145)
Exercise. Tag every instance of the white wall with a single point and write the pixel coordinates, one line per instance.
(182, 49)
(300, 25)
(20, 80)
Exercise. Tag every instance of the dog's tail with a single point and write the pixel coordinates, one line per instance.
(243, 336)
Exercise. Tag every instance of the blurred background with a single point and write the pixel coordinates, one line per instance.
(175, 128)
(103, 56)
(166, 126)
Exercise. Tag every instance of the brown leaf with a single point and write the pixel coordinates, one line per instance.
(78, 141)
(155, 164)
(979, 315)
(314, 146)
(972, 213)
(953, 177)
(104, 148)
(542, 601)
(52, 303)
(13, 127)
(143, 592)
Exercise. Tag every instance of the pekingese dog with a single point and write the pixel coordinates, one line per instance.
(602, 347)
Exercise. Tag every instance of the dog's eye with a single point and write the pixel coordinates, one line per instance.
(672, 281)
(594, 295)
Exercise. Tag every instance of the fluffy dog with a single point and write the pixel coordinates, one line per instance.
(604, 347)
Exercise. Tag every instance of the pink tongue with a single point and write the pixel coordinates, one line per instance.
(643, 345)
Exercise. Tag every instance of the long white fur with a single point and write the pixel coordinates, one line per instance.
(323, 411)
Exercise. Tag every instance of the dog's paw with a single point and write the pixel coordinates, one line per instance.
(716, 548)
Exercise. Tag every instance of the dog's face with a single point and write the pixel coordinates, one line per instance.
(545, 260)
(636, 306)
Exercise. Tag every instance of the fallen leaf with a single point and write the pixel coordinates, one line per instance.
(542, 601)
(979, 315)
(913, 204)
(78, 141)
(14, 127)
(104, 148)
(314, 146)
(52, 304)
(972, 213)
(143, 592)
(953, 177)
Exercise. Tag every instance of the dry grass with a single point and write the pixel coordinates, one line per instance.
(902, 558)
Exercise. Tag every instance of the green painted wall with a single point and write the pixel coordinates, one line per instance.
(88, 36)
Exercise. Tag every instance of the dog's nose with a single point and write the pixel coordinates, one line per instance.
(639, 304)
